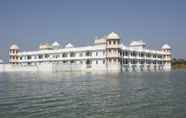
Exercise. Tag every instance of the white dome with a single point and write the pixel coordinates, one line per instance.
(166, 46)
(100, 41)
(137, 43)
(113, 35)
(55, 44)
(69, 45)
(14, 47)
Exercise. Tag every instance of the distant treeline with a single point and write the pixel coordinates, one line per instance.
(179, 63)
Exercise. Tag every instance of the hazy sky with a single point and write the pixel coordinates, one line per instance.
(30, 22)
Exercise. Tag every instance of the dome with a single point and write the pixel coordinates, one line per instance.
(55, 44)
(137, 43)
(14, 47)
(166, 46)
(45, 46)
(113, 35)
(69, 45)
(100, 41)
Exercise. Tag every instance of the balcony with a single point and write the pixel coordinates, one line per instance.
(112, 46)
(113, 55)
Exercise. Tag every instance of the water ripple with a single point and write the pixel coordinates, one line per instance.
(136, 95)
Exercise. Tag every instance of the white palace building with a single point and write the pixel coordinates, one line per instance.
(106, 54)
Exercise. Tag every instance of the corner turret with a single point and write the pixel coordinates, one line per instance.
(166, 49)
(113, 51)
(13, 54)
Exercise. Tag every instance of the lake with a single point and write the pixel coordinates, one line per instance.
(90, 95)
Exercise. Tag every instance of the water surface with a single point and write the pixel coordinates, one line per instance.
(88, 95)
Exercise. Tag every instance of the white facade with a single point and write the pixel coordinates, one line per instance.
(107, 54)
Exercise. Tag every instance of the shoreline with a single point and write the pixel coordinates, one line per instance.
(179, 66)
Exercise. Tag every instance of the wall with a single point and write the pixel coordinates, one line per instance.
(82, 67)
(14, 68)
(52, 67)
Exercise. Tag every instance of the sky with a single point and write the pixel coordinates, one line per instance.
(31, 22)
